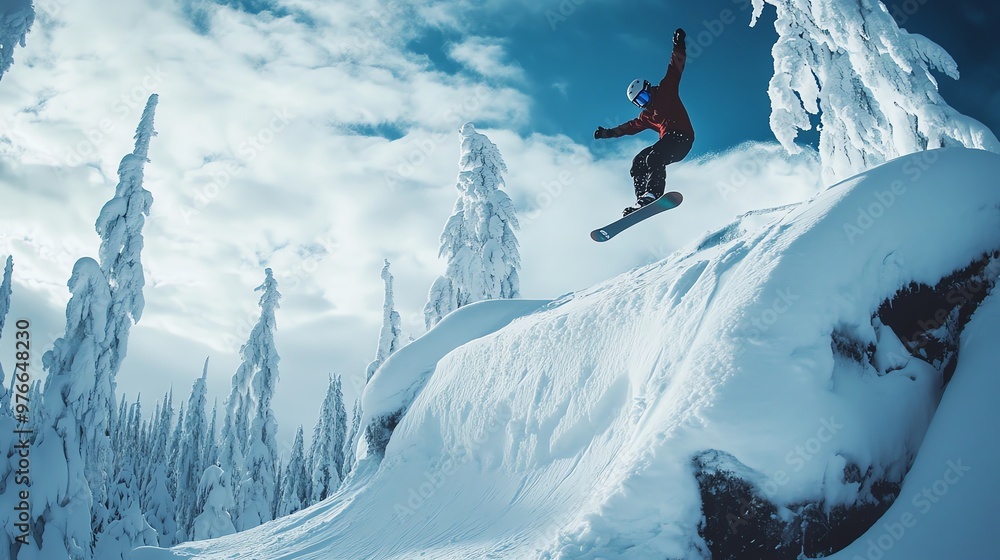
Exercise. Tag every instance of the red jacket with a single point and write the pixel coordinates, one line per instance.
(665, 112)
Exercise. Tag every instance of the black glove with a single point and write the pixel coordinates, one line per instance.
(679, 36)
(601, 132)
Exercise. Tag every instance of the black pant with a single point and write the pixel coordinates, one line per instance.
(649, 168)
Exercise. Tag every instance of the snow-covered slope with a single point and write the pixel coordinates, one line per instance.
(589, 427)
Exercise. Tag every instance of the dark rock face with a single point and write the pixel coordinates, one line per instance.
(378, 432)
(929, 320)
(741, 523)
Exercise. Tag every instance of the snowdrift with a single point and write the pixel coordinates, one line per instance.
(745, 391)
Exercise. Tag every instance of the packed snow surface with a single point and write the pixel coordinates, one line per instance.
(569, 432)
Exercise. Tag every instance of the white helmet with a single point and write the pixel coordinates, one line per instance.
(638, 92)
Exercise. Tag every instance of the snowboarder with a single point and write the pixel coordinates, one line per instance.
(663, 111)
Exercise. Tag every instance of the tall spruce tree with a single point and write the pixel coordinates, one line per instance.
(74, 422)
(295, 482)
(390, 337)
(8, 425)
(354, 437)
(190, 466)
(255, 495)
(478, 240)
(326, 454)
(157, 499)
(5, 291)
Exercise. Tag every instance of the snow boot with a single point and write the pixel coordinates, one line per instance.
(643, 200)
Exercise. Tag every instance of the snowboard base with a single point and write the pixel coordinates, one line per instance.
(666, 202)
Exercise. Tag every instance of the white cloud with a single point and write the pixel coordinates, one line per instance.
(238, 188)
(487, 57)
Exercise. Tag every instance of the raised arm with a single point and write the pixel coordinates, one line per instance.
(677, 59)
(633, 126)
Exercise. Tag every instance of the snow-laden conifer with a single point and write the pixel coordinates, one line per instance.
(295, 481)
(326, 454)
(354, 436)
(75, 415)
(255, 496)
(129, 527)
(391, 336)
(214, 491)
(157, 499)
(5, 292)
(478, 240)
(190, 458)
(16, 17)
(211, 452)
(870, 82)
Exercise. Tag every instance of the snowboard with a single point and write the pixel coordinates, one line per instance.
(662, 204)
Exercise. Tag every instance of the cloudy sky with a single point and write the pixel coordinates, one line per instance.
(319, 137)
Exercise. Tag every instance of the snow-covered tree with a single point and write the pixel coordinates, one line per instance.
(79, 404)
(255, 495)
(8, 438)
(16, 17)
(174, 449)
(211, 454)
(117, 428)
(73, 412)
(478, 240)
(214, 491)
(353, 438)
(157, 500)
(129, 527)
(134, 431)
(232, 446)
(295, 482)
(120, 227)
(5, 291)
(868, 80)
(326, 454)
(391, 335)
(190, 458)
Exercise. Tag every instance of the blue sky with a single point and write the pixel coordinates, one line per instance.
(355, 107)
(578, 58)
(578, 64)
(967, 30)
